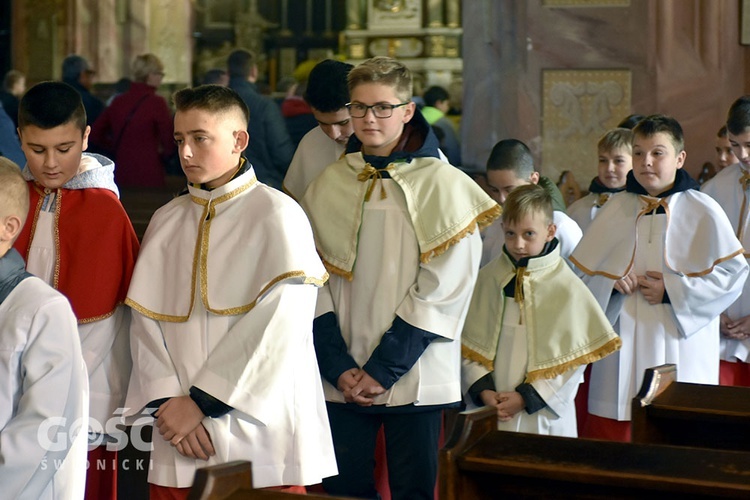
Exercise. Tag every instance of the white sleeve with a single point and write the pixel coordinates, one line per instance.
(252, 368)
(559, 392)
(696, 301)
(568, 233)
(154, 376)
(439, 300)
(106, 350)
(53, 399)
(471, 371)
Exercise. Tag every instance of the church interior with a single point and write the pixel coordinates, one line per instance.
(555, 74)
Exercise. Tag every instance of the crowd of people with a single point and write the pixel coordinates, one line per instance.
(385, 288)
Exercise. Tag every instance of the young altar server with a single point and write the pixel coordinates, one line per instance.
(327, 94)
(615, 161)
(398, 229)
(730, 189)
(532, 327)
(224, 296)
(79, 240)
(663, 262)
(44, 389)
(509, 166)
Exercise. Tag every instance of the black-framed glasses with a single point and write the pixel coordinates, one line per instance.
(380, 110)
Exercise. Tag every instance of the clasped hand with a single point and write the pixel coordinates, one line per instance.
(651, 285)
(508, 404)
(359, 387)
(179, 422)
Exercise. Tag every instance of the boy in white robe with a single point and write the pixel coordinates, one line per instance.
(663, 262)
(327, 94)
(224, 295)
(398, 231)
(80, 241)
(510, 165)
(44, 384)
(532, 326)
(615, 161)
(730, 189)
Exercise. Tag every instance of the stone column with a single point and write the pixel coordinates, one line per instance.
(169, 38)
(354, 15)
(434, 13)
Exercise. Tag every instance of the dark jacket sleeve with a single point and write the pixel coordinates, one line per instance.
(330, 348)
(209, 405)
(533, 400)
(399, 348)
(486, 383)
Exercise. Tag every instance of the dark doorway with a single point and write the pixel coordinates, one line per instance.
(5, 39)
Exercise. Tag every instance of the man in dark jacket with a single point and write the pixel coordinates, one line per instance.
(270, 150)
(77, 72)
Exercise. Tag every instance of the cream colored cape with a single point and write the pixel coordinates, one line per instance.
(698, 239)
(219, 241)
(566, 327)
(444, 206)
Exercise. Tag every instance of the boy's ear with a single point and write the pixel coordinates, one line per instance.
(681, 158)
(534, 179)
(10, 227)
(409, 110)
(241, 140)
(551, 231)
(86, 133)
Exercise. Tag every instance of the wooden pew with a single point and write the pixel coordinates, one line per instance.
(677, 413)
(479, 462)
(234, 481)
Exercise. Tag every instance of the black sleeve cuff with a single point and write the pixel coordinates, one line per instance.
(330, 348)
(486, 383)
(209, 405)
(400, 347)
(533, 400)
(155, 404)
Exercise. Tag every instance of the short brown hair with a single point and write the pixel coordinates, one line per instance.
(50, 104)
(526, 200)
(654, 124)
(617, 138)
(212, 98)
(384, 70)
(14, 191)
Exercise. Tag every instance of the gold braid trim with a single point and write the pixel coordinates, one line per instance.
(155, 315)
(472, 355)
(552, 372)
(338, 271)
(484, 219)
(101, 316)
(716, 263)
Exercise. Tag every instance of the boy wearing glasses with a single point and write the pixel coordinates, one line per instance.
(397, 230)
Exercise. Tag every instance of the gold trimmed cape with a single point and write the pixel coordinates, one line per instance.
(444, 206)
(698, 236)
(231, 244)
(566, 328)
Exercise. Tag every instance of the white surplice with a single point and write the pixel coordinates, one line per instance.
(224, 294)
(43, 391)
(703, 269)
(726, 189)
(314, 153)
(390, 280)
(558, 418)
(104, 343)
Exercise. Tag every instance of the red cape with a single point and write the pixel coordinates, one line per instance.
(96, 248)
